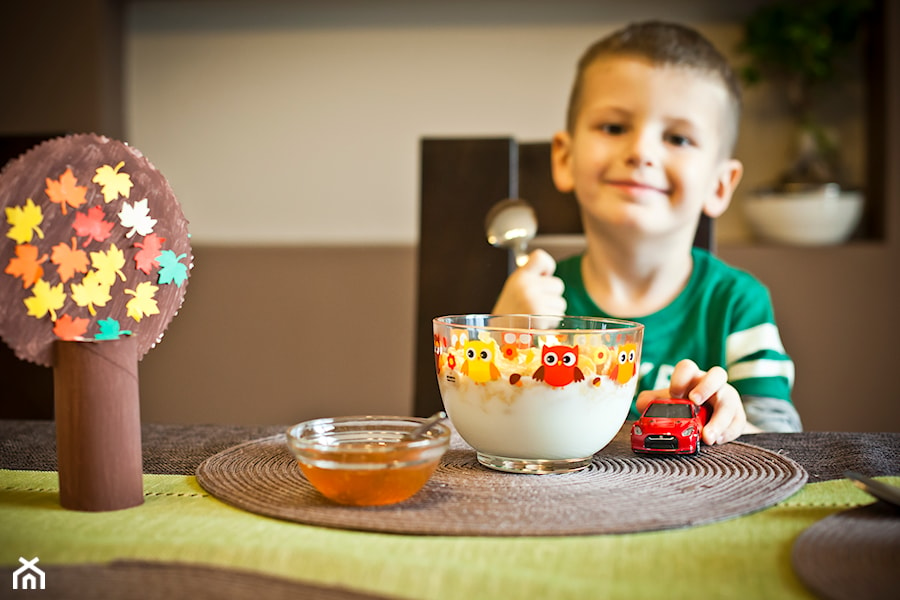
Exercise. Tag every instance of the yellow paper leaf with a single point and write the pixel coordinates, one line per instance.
(108, 264)
(91, 292)
(143, 304)
(113, 183)
(45, 299)
(24, 222)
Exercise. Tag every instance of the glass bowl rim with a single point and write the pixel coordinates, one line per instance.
(622, 325)
(441, 438)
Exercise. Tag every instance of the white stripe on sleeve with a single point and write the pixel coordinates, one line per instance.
(762, 368)
(750, 341)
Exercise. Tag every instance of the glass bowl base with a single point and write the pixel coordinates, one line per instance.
(534, 466)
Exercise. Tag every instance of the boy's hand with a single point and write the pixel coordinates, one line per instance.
(533, 289)
(728, 419)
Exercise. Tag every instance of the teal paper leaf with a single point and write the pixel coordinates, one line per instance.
(110, 330)
(171, 270)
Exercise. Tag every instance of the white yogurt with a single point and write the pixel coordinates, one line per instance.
(533, 420)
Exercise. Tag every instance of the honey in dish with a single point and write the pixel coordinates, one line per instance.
(402, 476)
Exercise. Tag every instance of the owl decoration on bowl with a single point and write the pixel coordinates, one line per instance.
(479, 361)
(559, 366)
(626, 365)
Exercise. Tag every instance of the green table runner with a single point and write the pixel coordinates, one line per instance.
(746, 557)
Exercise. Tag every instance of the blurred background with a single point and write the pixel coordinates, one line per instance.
(290, 132)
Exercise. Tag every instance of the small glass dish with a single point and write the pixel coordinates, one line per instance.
(367, 460)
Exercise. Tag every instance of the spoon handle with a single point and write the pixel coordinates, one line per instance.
(428, 424)
(882, 491)
(521, 252)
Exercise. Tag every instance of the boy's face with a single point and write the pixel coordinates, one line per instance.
(646, 151)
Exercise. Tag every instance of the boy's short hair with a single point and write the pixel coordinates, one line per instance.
(665, 44)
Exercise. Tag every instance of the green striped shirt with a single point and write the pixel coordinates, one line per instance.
(724, 317)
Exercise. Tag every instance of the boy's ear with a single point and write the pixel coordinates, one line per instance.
(561, 161)
(729, 176)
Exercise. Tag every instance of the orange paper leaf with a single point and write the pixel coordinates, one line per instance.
(69, 260)
(26, 264)
(65, 191)
(67, 328)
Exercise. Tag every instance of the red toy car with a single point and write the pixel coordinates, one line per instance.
(670, 426)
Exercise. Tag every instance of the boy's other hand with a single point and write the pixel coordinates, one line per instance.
(533, 288)
(711, 387)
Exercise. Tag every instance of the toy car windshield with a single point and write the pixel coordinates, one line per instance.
(661, 410)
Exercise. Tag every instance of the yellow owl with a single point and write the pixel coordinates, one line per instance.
(478, 363)
(626, 364)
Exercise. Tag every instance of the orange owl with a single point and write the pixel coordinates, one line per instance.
(559, 366)
(626, 364)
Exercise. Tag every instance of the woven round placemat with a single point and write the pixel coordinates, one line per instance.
(852, 554)
(620, 492)
(144, 580)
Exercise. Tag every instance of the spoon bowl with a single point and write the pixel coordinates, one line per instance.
(512, 224)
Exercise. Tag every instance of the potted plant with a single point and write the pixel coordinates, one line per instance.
(805, 49)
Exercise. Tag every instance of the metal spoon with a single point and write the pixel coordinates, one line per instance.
(882, 491)
(428, 424)
(512, 224)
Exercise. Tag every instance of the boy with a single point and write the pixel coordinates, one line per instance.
(652, 121)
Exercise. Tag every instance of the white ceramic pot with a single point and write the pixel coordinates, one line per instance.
(820, 217)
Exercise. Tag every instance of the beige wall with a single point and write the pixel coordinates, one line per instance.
(837, 311)
(318, 107)
(282, 334)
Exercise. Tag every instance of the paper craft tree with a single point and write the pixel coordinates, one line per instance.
(94, 246)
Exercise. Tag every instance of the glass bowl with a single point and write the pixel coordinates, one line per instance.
(367, 460)
(536, 394)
